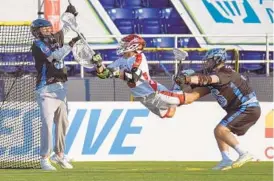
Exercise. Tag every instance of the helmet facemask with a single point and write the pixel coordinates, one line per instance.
(213, 59)
(42, 29)
(47, 36)
(130, 43)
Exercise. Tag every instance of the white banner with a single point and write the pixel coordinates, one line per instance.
(127, 131)
(111, 131)
(230, 17)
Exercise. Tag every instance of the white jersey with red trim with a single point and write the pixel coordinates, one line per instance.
(142, 88)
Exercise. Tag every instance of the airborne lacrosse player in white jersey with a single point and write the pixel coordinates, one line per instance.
(133, 69)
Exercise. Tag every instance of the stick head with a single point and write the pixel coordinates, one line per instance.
(70, 20)
(82, 54)
(179, 54)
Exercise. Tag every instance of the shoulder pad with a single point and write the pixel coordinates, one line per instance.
(45, 49)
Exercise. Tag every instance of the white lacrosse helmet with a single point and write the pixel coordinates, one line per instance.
(131, 43)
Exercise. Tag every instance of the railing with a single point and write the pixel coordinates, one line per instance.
(176, 36)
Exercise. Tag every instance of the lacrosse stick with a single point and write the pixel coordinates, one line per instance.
(82, 52)
(179, 56)
(165, 70)
(70, 20)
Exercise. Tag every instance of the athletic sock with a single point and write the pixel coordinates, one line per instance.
(239, 150)
(225, 155)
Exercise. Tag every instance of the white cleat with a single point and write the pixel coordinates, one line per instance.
(223, 165)
(46, 165)
(247, 157)
(63, 162)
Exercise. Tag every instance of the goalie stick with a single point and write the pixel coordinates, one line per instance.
(81, 50)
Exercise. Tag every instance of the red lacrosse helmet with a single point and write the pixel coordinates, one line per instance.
(131, 43)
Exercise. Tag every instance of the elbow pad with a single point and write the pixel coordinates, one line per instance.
(133, 76)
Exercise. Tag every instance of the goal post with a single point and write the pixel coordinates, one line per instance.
(19, 113)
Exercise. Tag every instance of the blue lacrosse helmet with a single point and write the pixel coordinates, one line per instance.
(36, 25)
(214, 57)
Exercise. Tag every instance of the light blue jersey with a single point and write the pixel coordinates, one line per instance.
(143, 88)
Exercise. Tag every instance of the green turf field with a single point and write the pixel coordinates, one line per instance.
(144, 171)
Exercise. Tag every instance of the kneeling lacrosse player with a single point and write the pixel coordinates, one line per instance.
(234, 95)
(48, 50)
(133, 69)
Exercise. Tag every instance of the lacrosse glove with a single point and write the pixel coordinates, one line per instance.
(71, 9)
(180, 80)
(105, 74)
(114, 72)
(97, 60)
(75, 39)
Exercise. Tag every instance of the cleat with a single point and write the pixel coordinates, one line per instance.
(46, 165)
(247, 157)
(63, 162)
(223, 165)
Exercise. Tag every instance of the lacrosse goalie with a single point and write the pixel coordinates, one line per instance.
(48, 51)
(132, 67)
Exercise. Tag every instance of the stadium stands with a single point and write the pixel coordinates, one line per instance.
(164, 42)
(251, 67)
(151, 17)
(109, 3)
(124, 19)
(158, 3)
(149, 21)
(109, 55)
(132, 3)
(160, 17)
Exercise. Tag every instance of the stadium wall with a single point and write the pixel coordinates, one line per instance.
(122, 130)
(95, 89)
(110, 131)
(127, 131)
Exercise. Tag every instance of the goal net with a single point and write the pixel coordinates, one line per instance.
(19, 114)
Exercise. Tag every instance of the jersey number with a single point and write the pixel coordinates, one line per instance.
(221, 99)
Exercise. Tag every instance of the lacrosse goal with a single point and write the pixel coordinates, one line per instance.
(19, 114)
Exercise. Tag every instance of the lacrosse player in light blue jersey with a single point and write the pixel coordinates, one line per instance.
(133, 69)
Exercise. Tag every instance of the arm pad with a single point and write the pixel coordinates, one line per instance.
(60, 53)
(133, 76)
(204, 79)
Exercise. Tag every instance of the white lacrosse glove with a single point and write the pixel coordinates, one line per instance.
(115, 72)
